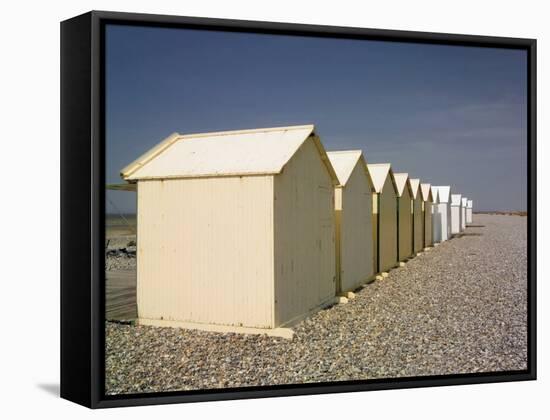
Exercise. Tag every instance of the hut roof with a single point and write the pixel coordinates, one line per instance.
(378, 173)
(444, 193)
(456, 199)
(261, 151)
(415, 185)
(426, 191)
(402, 181)
(435, 195)
(344, 161)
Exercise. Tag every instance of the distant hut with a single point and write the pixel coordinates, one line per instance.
(436, 223)
(469, 209)
(427, 200)
(353, 205)
(443, 213)
(418, 217)
(384, 207)
(463, 205)
(456, 213)
(235, 229)
(404, 216)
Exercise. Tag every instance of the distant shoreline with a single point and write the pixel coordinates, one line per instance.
(503, 213)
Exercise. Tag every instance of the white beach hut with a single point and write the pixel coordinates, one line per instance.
(463, 205)
(456, 213)
(353, 205)
(235, 229)
(443, 213)
(404, 216)
(469, 210)
(418, 216)
(427, 202)
(436, 223)
(384, 207)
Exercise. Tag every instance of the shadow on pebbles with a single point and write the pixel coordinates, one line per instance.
(459, 308)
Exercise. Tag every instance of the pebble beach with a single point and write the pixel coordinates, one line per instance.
(460, 307)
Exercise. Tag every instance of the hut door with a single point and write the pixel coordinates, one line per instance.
(326, 243)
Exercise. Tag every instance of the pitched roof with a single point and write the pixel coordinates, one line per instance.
(415, 185)
(456, 199)
(261, 151)
(402, 180)
(426, 192)
(344, 161)
(378, 173)
(464, 201)
(435, 195)
(470, 204)
(444, 193)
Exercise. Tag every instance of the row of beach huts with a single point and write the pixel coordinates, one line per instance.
(253, 230)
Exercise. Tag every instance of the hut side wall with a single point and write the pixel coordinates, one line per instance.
(468, 215)
(405, 225)
(418, 224)
(463, 218)
(356, 231)
(428, 232)
(375, 219)
(304, 232)
(205, 250)
(436, 223)
(455, 219)
(388, 227)
(449, 221)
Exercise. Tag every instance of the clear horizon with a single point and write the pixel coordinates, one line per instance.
(448, 115)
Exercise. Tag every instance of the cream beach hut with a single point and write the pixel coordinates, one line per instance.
(436, 224)
(418, 217)
(456, 213)
(427, 202)
(463, 205)
(469, 209)
(384, 207)
(235, 229)
(353, 206)
(404, 216)
(443, 213)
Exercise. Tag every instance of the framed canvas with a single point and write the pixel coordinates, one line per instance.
(257, 209)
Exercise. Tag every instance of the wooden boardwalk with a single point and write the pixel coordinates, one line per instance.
(120, 291)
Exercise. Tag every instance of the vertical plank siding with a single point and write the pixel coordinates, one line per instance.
(428, 232)
(205, 250)
(418, 223)
(405, 225)
(387, 245)
(355, 240)
(304, 236)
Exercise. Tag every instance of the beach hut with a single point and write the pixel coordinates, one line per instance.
(436, 223)
(404, 216)
(427, 202)
(384, 205)
(463, 205)
(353, 206)
(443, 210)
(418, 217)
(456, 213)
(469, 210)
(235, 229)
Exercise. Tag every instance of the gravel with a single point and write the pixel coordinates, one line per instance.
(459, 308)
(120, 259)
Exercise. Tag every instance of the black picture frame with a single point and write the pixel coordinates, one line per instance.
(83, 204)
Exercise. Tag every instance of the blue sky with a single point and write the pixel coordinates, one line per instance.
(445, 114)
